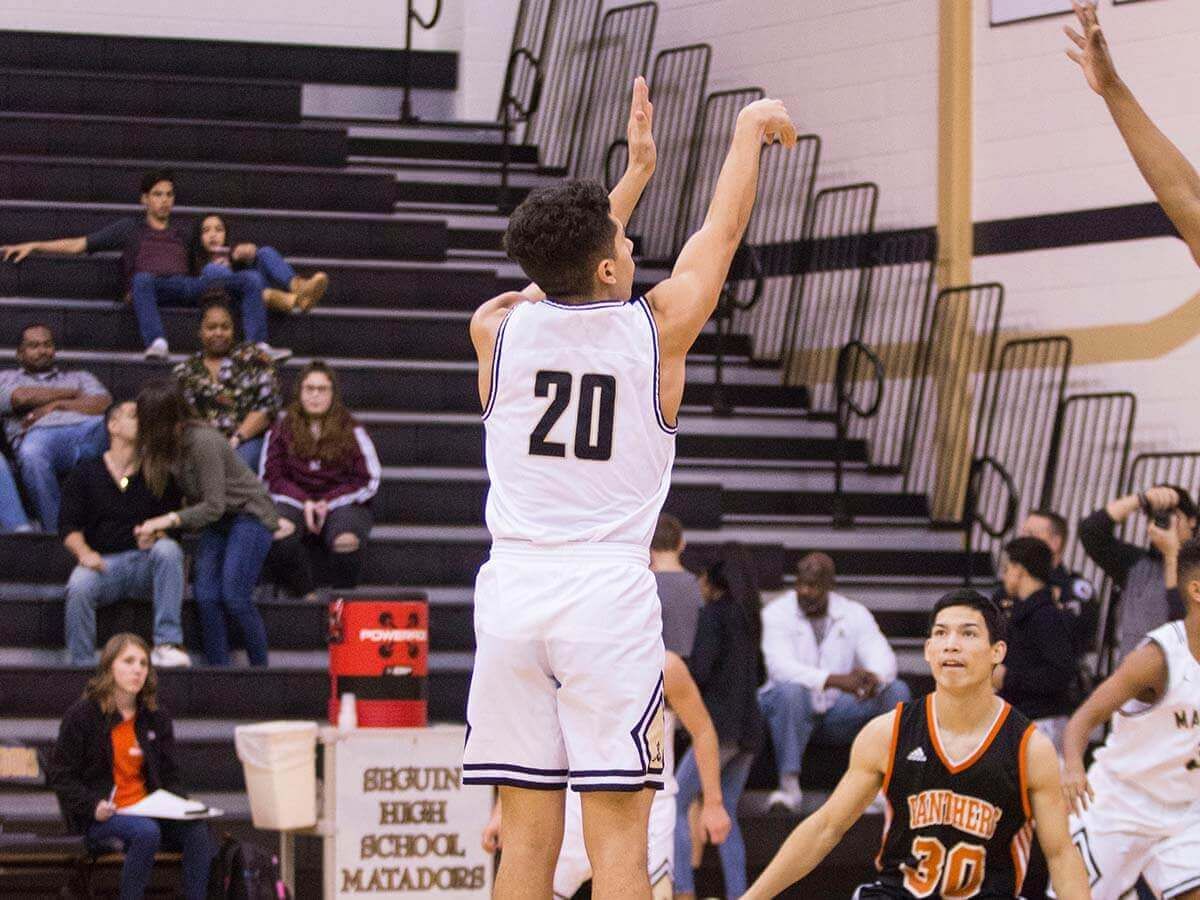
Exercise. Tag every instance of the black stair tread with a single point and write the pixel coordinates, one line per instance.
(188, 57)
(362, 235)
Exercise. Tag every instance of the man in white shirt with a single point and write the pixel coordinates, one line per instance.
(830, 670)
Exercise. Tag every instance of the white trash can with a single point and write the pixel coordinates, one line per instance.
(279, 760)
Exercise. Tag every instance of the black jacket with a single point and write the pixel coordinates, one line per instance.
(1041, 665)
(81, 764)
(724, 664)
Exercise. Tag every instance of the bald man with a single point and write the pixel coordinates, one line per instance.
(830, 670)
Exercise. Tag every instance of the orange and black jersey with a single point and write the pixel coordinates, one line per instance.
(954, 829)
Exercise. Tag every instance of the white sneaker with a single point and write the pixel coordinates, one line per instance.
(789, 801)
(169, 656)
(277, 354)
(158, 349)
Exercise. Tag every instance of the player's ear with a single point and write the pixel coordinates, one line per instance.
(606, 272)
(999, 651)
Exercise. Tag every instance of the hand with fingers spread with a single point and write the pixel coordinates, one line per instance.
(1091, 49)
(640, 131)
(771, 118)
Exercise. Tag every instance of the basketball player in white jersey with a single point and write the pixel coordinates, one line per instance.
(1137, 809)
(685, 704)
(581, 384)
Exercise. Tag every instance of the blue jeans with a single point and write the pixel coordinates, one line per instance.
(149, 291)
(47, 452)
(228, 562)
(789, 712)
(156, 573)
(12, 513)
(250, 452)
(735, 769)
(141, 839)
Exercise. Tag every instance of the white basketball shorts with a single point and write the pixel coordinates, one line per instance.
(574, 869)
(1124, 834)
(567, 685)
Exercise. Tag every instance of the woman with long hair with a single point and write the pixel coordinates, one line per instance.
(223, 500)
(210, 255)
(116, 746)
(322, 471)
(231, 385)
(725, 664)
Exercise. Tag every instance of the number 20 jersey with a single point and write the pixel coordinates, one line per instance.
(955, 829)
(578, 450)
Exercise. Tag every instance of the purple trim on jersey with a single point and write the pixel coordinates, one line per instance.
(492, 388)
(657, 402)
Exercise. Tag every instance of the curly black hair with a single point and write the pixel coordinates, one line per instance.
(559, 234)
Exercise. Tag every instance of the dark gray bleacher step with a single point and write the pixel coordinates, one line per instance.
(187, 57)
(375, 284)
(352, 235)
(426, 386)
(169, 140)
(133, 94)
(221, 185)
(32, 684)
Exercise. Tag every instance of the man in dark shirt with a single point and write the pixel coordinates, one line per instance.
(103, 500)
(1039, 670)
(1147, 577)
(154, 258)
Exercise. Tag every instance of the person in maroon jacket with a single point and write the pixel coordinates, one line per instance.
(322, 471)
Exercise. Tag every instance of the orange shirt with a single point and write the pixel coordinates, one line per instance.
(127, 765)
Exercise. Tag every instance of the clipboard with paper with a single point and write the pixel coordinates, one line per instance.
(165, 805)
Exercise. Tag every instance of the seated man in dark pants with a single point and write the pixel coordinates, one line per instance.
(1038, 673)
(155, 262)
(104, 499)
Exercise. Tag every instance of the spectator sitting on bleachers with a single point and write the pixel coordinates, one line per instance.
(155, 263)
(830, 670)
(211, 256)
(52, 419)
(678, 589)
(1073, 593)
(322, 470)
(231, 386)
(104, 499)
(116, 746)
(225, 501)
(1147, 577)
(1038, 675)
(725, 666)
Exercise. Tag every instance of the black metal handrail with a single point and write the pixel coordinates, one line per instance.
(846, 369)
(412, 16)
(971, 511)
(513, 112)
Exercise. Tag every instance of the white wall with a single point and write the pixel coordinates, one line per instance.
(861, 73)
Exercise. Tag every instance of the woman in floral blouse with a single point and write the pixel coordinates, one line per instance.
(232, 386)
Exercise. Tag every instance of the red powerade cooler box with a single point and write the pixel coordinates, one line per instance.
(379, 652)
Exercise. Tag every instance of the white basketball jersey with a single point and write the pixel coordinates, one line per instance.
(1157, 748)
(578, 450)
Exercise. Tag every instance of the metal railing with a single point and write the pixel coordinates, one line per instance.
(1027, 392)
(848, 361)
(948, 396)
(412, 17)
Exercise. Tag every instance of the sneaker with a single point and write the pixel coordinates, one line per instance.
(277, 354)
(157, 349)
(169, 656)
(789, 801)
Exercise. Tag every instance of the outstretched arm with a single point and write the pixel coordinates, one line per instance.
(1067, 873)
(684, 698)
(1142, 675)
(813, 838)
(1173, 179)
